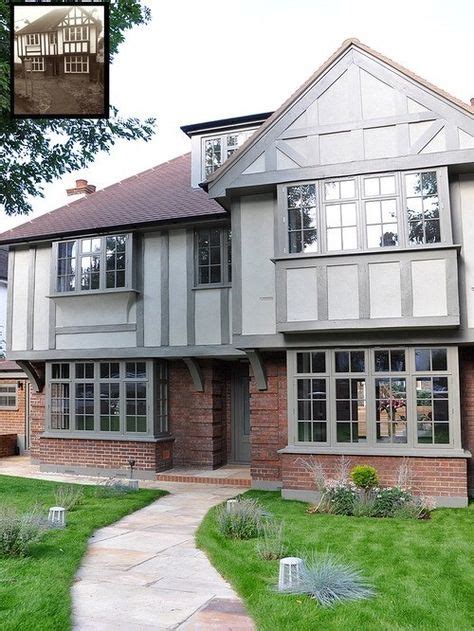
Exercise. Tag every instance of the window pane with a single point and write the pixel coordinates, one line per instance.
(422, 360)
(318, 362)
(331, 191)
(387, 185)
(342, 361)
(357, 361)
(397, 360)
(347, 188)
(371, 186)
(381, 360)
(439, 359)
(303, 362)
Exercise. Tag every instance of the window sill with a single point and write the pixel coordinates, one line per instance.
(93, 292)
(400, 451)
(390, 249)
(109, 437)
(213, 286)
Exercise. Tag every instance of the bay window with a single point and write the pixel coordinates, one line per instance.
(366, 212)
(93, 263)
(107, 398)
(386, 398)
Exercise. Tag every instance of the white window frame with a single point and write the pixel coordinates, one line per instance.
(74, 29)
(412, 446)
(156, 398)
(129, 248)
(33, 39)
(281, 218)
(37, 64)
(226, 150)
(6, 391)
(68, 60)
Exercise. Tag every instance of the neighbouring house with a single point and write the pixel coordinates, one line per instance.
(60, 42)
(300, 284)
(14, 409)
(3, 296)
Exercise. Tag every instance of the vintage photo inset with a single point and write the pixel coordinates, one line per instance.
(60, 54)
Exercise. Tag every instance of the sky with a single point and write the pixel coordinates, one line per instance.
(198, 61)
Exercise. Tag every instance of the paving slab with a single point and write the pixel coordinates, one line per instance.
(145, 571)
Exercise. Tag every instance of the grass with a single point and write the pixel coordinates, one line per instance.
(423, 571)
(35, 590)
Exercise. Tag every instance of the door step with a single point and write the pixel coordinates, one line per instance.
(211, 477)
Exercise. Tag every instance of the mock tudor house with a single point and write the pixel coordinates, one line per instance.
(60, 42)
(300, 284)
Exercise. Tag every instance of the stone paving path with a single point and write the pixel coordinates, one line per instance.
(144, 572)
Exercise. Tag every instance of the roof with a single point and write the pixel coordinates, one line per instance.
(161, 194)
(48, 22)
(3, 263)
(225, 123)
(7, 365)
(346, 44)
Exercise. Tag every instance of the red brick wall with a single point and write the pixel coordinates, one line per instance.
(466, 361)
(268, 420)
(8, 444)
(104, 454)
(199, 420)
(13, 421)
(433, 477)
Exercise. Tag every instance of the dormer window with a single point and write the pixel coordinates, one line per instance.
(94, 263)
(32, 39)
(217, 149)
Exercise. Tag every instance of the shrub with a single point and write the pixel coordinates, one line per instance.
(388, 501)
(69, 496)
(329, 581)
(113, 487)
(271, 546)
(364, 477)
(18, 532)
(339, 500)
(245, 521)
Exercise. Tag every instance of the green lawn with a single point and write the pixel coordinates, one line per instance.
(35, 590)
(423, 571)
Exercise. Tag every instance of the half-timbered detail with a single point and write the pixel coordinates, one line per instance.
(63, 41)
(300, 284)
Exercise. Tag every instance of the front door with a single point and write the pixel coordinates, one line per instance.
(240, 414)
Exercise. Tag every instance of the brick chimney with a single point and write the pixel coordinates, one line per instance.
(81, 188)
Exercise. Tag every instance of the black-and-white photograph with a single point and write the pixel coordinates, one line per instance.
(60, 54)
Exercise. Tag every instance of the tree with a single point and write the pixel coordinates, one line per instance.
(34, 152)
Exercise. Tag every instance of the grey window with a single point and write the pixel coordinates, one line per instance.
(388, 398)
(302, 218)
(59, 405)
(213, 255)
(93, 263)
(381, 211)
(341, 215)
(351, 410)
(8, 397)
(391, 409)
(118, 397)
(32, 39)
(422, 208)
(219, 148)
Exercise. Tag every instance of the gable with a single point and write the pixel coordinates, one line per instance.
(360, 111)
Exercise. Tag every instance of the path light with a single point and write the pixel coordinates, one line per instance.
(290, 572)
(57, 517)
(231, 505)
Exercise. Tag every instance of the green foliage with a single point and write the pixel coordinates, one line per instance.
(409, 561)
(329, 581)
(18, 531)
(388, 501)
(365, 477)
(113, 488)
(69, 496)
(36, 589)
(245, 521)
(34, 152)
(339, 500)
(272, 546)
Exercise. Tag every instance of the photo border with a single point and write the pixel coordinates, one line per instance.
(106, 114)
